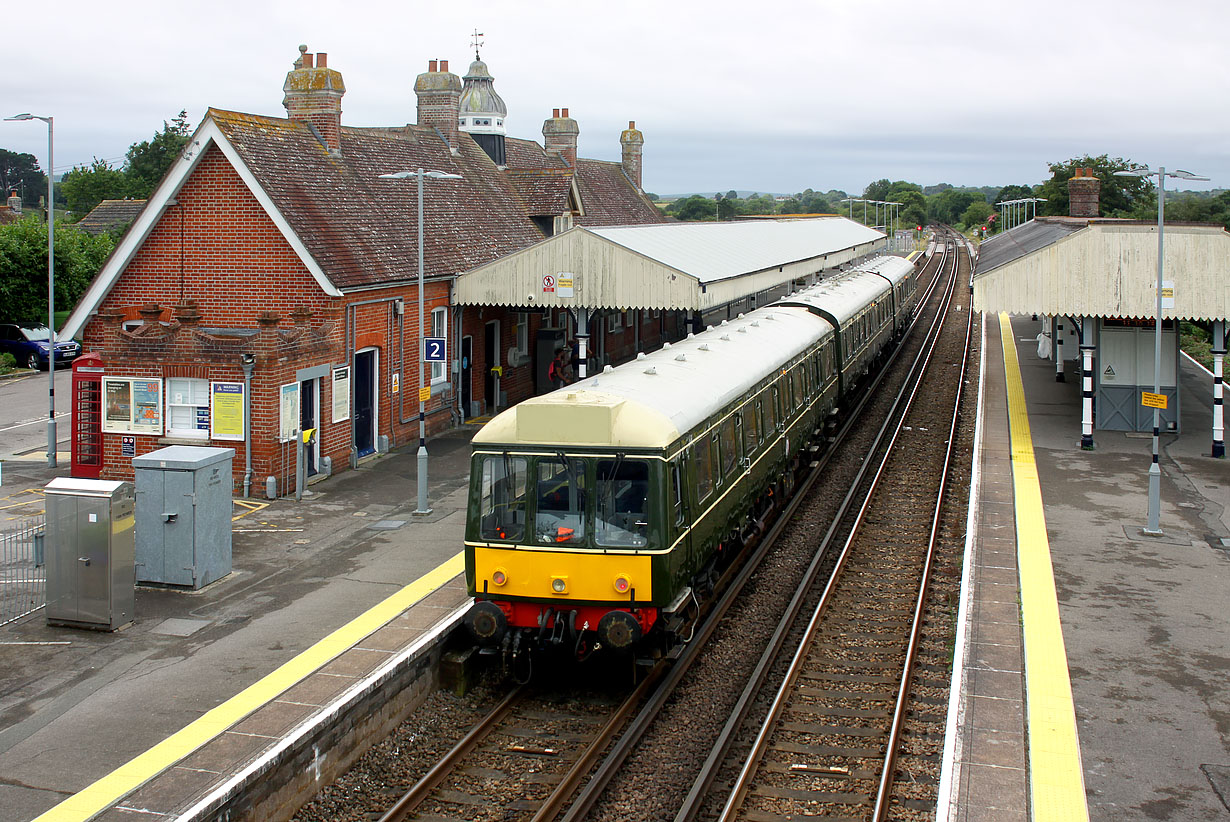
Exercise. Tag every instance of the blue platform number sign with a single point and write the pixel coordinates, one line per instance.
(434, 349)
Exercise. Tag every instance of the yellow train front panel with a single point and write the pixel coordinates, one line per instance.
(580, 576)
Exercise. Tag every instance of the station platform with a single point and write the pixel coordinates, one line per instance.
(1105, 701)
(1091, 662)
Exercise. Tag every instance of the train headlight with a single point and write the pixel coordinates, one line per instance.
(622, 584)
(499, 577)
(559, 585)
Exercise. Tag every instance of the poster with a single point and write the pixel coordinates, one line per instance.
(341, 393)
(226, 408)
(117, 413)
(132, 405)
(289, 405)
(147, 406)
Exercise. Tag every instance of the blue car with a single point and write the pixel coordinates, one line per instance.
(30, 344)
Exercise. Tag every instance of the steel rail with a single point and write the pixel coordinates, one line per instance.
(890, 759)
(743, 781)
(606, 771)
(692, 802)
(448, 763)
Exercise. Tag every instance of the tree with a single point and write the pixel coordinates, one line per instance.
(950, 204)
(693, 208)
(147, 161)
(23, 266)
(976, 213)
(726, 206)
(20, 173)
(85, 187)
(877, 190)
(1119, 196)
(1012, 192)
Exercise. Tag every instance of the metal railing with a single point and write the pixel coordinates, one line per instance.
(23, 569)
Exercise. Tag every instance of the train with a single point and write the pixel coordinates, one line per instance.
(602, 514)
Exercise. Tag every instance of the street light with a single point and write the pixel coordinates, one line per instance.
(1153, 528)
(51, 283)
(421, 478)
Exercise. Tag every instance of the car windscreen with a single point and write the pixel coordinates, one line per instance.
(35, 334)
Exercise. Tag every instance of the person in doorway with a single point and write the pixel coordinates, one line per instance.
(565, 368)
(555, 371)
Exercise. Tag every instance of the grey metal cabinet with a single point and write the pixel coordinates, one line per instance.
(90, 544)
(183, 515)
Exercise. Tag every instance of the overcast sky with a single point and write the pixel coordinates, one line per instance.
(771, 95)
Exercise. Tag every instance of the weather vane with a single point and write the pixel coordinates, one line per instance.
(476, 42)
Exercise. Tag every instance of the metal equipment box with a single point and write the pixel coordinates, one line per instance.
(90, 553)
(184, 515)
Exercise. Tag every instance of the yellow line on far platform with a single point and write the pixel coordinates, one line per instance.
(131, 775)
(1057, 782)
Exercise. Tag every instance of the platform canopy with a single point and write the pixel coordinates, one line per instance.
(1074, 267)
(690, 266)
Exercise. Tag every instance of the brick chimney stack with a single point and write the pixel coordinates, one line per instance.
(1083, 191)
(632, 141)
(314, 95)
(559, 134)
(439, 100)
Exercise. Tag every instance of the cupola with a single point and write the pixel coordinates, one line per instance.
(481, 113)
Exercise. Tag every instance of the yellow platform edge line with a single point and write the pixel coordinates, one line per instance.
(1056, 779)
(141, 768)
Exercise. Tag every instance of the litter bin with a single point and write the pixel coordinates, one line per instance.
(89, 553)
(183, 515)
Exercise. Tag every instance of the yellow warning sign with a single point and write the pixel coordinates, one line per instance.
(425, 393)
(1150, 400)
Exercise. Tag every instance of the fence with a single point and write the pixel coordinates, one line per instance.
(23, 573)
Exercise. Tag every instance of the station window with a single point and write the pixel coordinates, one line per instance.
(439, 328)
(501, 497)
(188, 408)
(523, 333)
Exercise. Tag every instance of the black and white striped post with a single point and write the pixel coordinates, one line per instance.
(1087, 349)
(1219, 354)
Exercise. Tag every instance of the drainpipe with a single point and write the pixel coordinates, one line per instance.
(247, 361)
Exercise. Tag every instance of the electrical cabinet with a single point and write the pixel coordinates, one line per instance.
(90, 542)
(183, 515)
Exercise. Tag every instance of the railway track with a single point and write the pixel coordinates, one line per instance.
(533, 757)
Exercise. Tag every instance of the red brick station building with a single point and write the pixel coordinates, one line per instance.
(270, 284)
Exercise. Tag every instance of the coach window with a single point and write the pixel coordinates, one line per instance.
(768, 417)
(747, 421)
(677, 490)
(798, 387)
(560, 489)
(501, 497)
(622, 516)
(706, 466)
(730, 446)
(777, 408)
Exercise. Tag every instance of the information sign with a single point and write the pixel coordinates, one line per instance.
(435, 349)
(226, 407)
(1150, 400)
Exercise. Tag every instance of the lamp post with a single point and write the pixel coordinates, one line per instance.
(421, 476)
(51, 283)
(1153, 528)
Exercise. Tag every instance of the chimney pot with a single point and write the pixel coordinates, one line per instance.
(431, 65)
(307, 61)
(563, 112)
(555, 113)
(632, 124)
(444, 65)
(322, 59)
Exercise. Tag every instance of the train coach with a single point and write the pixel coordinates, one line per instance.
(601, 515)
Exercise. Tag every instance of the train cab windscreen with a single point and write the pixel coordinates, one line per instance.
(622, 516)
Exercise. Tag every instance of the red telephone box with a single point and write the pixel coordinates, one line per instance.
(87, 443)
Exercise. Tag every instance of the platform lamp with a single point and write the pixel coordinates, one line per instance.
(421, 476)
(1153, 528)
(51, 283)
